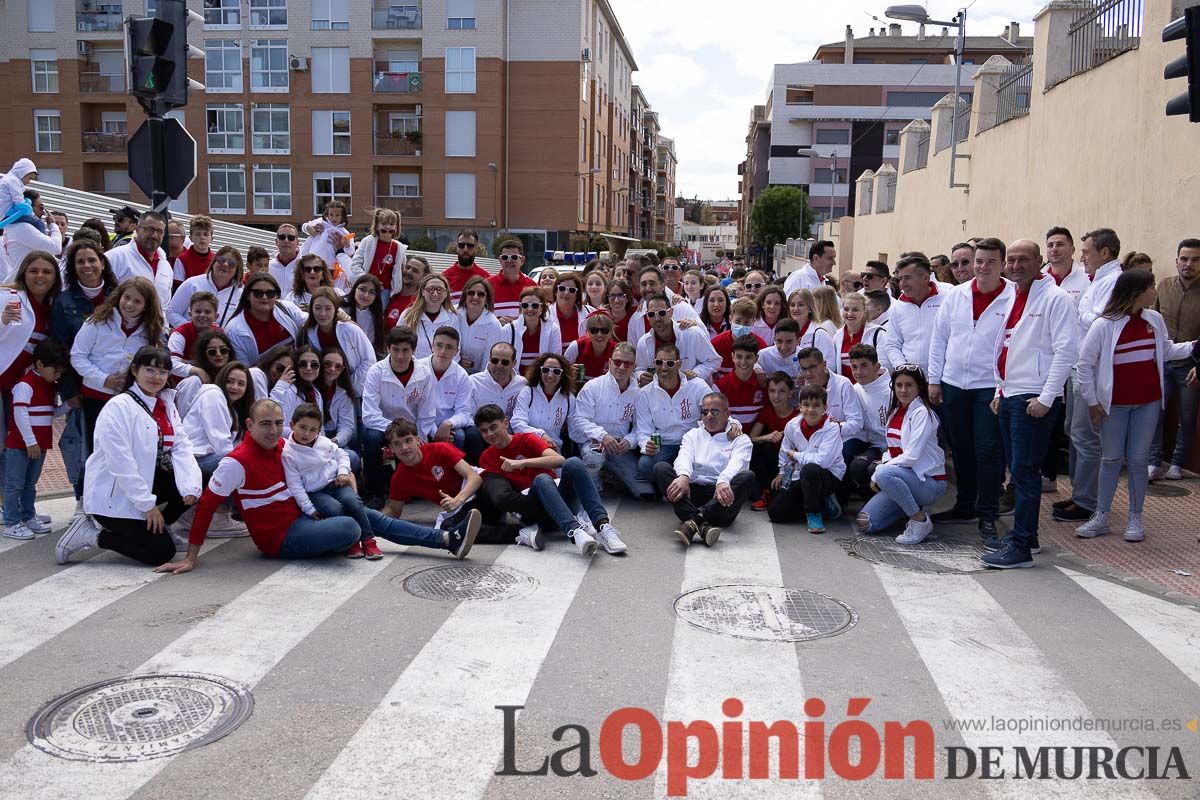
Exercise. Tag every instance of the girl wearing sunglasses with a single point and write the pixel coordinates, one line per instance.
(213, 351)
(337, 402)
(381, 254)
(568, 306)
(223, 278)
(534, 332)
(311, 272)
(544, 405)
(263, 320)
(594, 349)
(298, 386)
(618, 295)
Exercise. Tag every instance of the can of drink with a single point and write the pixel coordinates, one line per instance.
(580, 372)
(657, 439)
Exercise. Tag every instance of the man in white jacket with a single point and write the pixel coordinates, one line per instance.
(710, 479)
(1033, 356)
(822, 257)
(143, 256)
(913, 313)
(603, 424)
(699, 359)
(666, 408)
(498, 384)
(454, 409)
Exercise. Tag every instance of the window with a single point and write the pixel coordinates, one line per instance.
(272, 190)
(858, 60)
(40, 15)
(222, 65)
(583, 142)
(330, 15)
(150, 7)
(460, 133)
(270, 129)
(331, 133)
(329, 186)
(402, 122)
(44, 66)
(113, 122)
(891, 137)
(268, 14)
(226, 126)
(460, 15)
(822, 175)
(227, 188)
(399, 59)
(116, 181)
(222, 13)
(404, 184)
(833, 136)
(54, 176)
(460, 195)
(460, 71)
(47, 125)
(914, 99)
(331, 70)
(268, 65)
(798, 96)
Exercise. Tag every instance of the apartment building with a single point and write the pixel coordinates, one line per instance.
(449, 111)
(643, 127)
(892, 46)
(664, 190)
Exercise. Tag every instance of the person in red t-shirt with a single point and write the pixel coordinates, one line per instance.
(415, 268)
(767, 432)
(508, 283)
(518, 476)
(458, 274)
(741, 316)
(438, 472)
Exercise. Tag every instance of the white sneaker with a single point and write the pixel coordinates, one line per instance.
(18, 531)
(915, 532)
(1134, 530)
(584, 542)
(1049, 485)
(1174, 473)
(1096, 526)
(610, 539)
(38, 526)
(80, 535)
(1155, 471)
(43, 518)
(531, 536)
(585, 522)
(223, 525)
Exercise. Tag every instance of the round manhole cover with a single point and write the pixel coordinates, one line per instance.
(470, 582)
(139, 718)
(932, 555)
(764, 613)
(1160, 489)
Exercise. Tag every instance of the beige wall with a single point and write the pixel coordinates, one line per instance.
(1095, 150)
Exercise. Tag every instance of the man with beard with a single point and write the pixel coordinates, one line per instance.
(458, 275)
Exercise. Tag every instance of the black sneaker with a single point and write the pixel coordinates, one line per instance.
(994, 543)
(987, 528)
(457, 518)
(687, 530)
(1008, 557)
(709, 534)
(954, 515)
(1008, 501)
(1063, 504)
(1073, 513)
(462, 537)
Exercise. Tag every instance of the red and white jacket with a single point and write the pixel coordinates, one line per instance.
(255, 478)
(962, 348)
(1095, 365)
(102, 349)
(34, 407)
(914, 443)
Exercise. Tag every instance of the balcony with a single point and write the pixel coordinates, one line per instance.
(396, 83)
(396, 18)
(98, 142)
(406, 206)
(397, 144)
(98, 17)
(91, 82)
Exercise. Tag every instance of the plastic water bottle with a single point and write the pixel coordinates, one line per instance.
(786, 476)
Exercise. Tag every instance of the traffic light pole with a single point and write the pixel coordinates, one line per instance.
(159, 199)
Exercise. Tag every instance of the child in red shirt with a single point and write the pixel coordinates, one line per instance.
(33, 408)
(767, 432)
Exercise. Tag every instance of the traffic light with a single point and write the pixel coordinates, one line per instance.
(1186, 66)
(175, 13)
(158, 54)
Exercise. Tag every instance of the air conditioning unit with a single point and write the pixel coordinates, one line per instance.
(297, 64)
(85, 48)
(586, 56)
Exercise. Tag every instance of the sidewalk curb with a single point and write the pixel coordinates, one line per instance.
(1142, 584)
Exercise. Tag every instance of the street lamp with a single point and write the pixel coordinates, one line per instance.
(918, 14)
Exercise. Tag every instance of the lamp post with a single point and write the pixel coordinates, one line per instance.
(918, 14)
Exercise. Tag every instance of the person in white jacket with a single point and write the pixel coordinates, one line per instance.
(534, 331)
(381, 254)
(20, 239)
(143, 256)
(328, 236)
(668, 406)
(325, 328)
(263, 320)
(546, 403)
(865, 449)
(1121, 379)
(318, 476)
(841, 403)
(213, 421)
(223, 279)
(454, 410)
(710, 479)
(477, 323)
(430, 310)
(140, 460)
(810, 465)
(912, 315)
(698, 357)
(498, 384)
(603, 424)
(652, 281)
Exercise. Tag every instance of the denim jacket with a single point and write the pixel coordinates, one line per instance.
(71, 308)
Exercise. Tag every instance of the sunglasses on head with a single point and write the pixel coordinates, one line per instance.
(669, 363)
(261, 293)
(286, 237)
(501, 362)
(552, 371)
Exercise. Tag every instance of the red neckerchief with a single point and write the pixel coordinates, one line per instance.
(904, 298)
(808, 430)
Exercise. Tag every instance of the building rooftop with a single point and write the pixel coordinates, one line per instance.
(930, 42)
(897, 75)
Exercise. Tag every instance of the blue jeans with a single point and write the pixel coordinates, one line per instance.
(978, 455)
(645, 470)
(623, 465)
(402, 532)
(73, 446)
(208, 464)
(341, 501)
(1175, 382)
(1085, 450)
(21, 475)
(1027, 437)
(376, 478)
(309, 538)
(1125, 435)
(574, 490)
(901, 495)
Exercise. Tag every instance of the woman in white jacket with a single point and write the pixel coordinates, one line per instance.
(263, 320)
(534, 332)
(912, 475)
(338, 402)
(477, 324)
(324, 329)
(215, 419)
(298, 386)
(545, 404)
(429, 311)
(141, 460)
(223, 279)
(1120, 373)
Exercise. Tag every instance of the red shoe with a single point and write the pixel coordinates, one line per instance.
(763, 502)
(372, 551)
(355, 551)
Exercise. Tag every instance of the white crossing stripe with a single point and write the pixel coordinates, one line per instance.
(984, 664)
(707, 668)
(242, 642)
(1173, 630)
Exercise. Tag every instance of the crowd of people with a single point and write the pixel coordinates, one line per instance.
(304, 397)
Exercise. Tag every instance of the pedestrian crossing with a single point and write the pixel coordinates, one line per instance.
(959, 647)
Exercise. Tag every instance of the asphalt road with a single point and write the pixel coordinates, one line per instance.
(363, 688)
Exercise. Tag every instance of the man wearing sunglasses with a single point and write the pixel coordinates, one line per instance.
(698, 358)
(710, 479)
(462, 271)
(510, 281)
(603, 421)
(497, 384)
(876, 277)
(651, 281)
(143, 256)
(962, 262)
(666, 408)
(287, 250)
(672, 275)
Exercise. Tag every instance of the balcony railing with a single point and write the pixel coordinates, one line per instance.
(99, 142)
(395, 144)
(406, 206)
(106, 18)
(396, 83)
(1012, 93)
(100, 82)
(396, 18)
(1104, 31)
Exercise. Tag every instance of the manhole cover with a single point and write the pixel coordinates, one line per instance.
(764, 613)
(1160, 489)
(932, 555)
(470, 582)
(139, 718)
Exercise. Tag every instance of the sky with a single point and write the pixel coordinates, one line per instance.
(704, 64)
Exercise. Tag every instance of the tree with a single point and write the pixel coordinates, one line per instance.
(781, 213)
(423, 244)
(696, 211)
(501, 236)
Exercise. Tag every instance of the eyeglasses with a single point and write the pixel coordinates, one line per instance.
(530, 306)
(310, 365)
(225, 261)
(659, 314)
(435, 289)
(217, 351)
(475, 294)
(711, 412)
(753, 285)
(156, 372)
(466, 246)
(669, 363)
(963, 262)
(599, 329)
(261, 293)
(618, 296)
(552, 371)
(336, 366)
(564, 289)
(510, 257)
(313, 269)
(501, 362)
(622, 362)
(286, 237)
(152, 229)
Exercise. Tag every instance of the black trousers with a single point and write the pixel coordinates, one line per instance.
(701, 501)
(764, 463)
(496, 498)
(132, 539)
(858, 473)
(804, 495)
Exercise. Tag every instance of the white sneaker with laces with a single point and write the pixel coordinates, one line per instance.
(610, 539)
(585, 522)
(1134, 530)
(584, 542)
(531, 536)
(223, 525)
(18, 531)
(1155, 471)
(80, 535)
(1096, 526)
(915, 532)
(1174, 473)
(37, 526)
